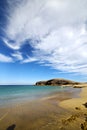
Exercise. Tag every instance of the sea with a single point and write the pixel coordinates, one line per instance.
(11, 94)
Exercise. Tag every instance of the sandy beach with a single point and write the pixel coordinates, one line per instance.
(76, 102)
(78, 110)
(58, 112)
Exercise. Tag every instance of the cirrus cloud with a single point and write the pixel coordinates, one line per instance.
(4, 58)
(60, 28)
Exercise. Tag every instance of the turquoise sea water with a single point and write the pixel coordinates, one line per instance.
(10, 94)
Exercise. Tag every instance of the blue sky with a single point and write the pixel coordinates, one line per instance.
(41, 40)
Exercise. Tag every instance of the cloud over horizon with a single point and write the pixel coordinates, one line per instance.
(57, 30)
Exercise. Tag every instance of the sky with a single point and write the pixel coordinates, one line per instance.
(42, 39)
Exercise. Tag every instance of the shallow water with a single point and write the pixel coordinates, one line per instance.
(10, 94)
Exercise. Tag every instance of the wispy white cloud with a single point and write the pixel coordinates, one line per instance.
(60, 27)
(29, 59)
(31, 19)
(67, 51)
(4, 58)
(17, 56)
(11, 45)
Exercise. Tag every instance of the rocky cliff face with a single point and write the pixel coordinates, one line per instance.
(57, 82)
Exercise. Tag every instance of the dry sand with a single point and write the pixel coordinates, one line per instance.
(78, 109)
(76, 102)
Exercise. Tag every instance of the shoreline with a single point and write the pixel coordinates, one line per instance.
(69, 92)
(75, 102)
(41, 114)
(77, 107)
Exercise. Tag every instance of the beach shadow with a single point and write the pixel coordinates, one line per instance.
(12, 127)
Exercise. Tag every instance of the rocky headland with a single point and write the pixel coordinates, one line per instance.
(61, 82)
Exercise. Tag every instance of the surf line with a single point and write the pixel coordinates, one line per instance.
(4, 116)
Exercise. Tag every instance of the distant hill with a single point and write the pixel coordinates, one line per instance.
(57, 82)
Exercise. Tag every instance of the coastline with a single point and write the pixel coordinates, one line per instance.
(77, 107)
(76, 102)
(43, 114)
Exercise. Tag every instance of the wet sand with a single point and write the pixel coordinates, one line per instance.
(42, 114)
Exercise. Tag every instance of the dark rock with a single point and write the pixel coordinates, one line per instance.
(57, 82)
(85, 104)
(77, 108)
(12, 127)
